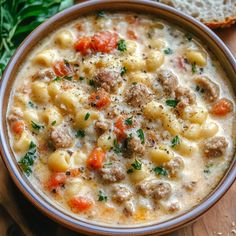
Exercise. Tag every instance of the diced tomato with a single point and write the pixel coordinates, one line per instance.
(18, 127)
(100, 99)
(104, 41)
(60, 68)
(222, 107)
(120, 128)
(56, 180)
(79, 26)
(83, 45)
(132, 35)
(80, 204)
(96, 158)
(131, 19)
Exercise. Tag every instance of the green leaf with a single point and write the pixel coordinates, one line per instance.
(102, 196)
(141, 135)
(129, 121)
(54, 122)
(116, 147)
(160, 171)
(65, 4)
(175, 141)
(137, 165)
(87, 116)
(172, 102)
(80, 134)
(121, 46)
(194, 68)
(168, 51)
(36, 126)
(123, 71)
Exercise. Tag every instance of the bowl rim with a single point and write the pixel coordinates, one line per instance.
(93, 228)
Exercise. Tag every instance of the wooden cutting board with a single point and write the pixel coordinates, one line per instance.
(18, 217)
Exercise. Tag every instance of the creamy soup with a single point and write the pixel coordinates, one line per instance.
(122, 119)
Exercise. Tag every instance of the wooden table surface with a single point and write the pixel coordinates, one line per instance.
(18, 217)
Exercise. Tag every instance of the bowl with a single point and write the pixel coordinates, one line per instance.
(162, 11)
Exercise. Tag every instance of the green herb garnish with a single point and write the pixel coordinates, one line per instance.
(160, 171)
(36, 126)
(57, 79)
(129, 171)
(188, 37)
(19, 18)
(28, 160)
(87, 116)
(141, 135)
(54, 122)
(91, 83)
(121, 46)
(68, 78)
(172, 102)
(129, 121)
(175, 141)
(168, 51)
(107, 164)
(31, 104)
(194, 68)
(137, 165)
(80, 134)
(116, 147)
(207, 168)
(123, 71)
(81, 78)
(102, 196)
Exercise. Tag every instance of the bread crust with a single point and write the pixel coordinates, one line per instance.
(221, 24)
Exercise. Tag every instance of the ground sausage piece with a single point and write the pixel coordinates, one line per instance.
(157, 189)
(60, 136)
(134, 146)
(174, 166)
(107, 80)
(168, 81)
(129, 208)
(43, 75)
(101, 126)
(214, 147)
(138, 95)
(113, 173)
(185, 97)
(209, 90)
(121, 193)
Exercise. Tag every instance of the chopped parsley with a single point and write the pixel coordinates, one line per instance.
(36, 126)
(141, 135)
(80, 134)
(68, 78)
(172, 102)
(175, 141)
(65, 77)
(87, 116)
(81, 78)
(129, 121)
(194, 68)
(160, 171)
(57, 78)
(116, 147)
(121, 46)
(28, 160)
(134, 83)
(100, 14)
(123, 71)
(102, 196)
(31, 104)
(207, 168)
(91, 83)
(107, 164)
(137, 165)
(168, 51)
(199, 89)
(54, 122)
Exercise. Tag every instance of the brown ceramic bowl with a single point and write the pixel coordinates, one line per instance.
(187, 23)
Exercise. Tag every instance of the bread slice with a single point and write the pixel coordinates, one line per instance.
(213, 13)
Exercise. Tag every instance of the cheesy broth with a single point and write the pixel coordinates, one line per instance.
(122, 118)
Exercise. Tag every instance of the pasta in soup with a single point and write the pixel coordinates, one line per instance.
(122, 118)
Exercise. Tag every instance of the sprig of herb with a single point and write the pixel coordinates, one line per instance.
(137, 165)
(121, 46)
(116, 147)
(92, 83)
(141, 135)
(207, 168)
(159, 170)
(87, 116)
(172, 102)
(194, 68)
(123, 71)
(80, 134)
(102, 196)
(81, 78)
(175, 141)
(19, 18)
(129, 121)
(54, 122)
(168, 51)
(36, 126)
(28, 159)
(31, 104)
